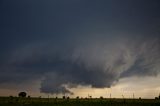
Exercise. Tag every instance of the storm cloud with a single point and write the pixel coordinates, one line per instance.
(98, 63)
(67, 44)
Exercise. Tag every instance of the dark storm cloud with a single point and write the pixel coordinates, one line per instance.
(98, 63)
(74, 42)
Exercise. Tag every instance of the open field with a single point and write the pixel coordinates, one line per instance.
(15, 101)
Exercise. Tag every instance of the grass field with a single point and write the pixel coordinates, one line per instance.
(15, 101)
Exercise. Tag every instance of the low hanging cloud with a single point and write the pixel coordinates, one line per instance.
(97, 62)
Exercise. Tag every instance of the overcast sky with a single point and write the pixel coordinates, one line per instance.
(79, 46)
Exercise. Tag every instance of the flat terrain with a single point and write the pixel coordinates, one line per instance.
(15, 101)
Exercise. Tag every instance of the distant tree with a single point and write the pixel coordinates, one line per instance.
(77, 97)
(22, 94)
(11, 97)
(101, 97)
(63, 97)
(90, 97)
(156, 98)
(68, 97)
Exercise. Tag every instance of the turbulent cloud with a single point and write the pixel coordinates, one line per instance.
(95, 62)
(64, 44)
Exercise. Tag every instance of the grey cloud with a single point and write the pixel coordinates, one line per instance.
(67, 43)
(95, 62)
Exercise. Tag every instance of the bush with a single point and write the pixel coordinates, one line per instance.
(22, 94)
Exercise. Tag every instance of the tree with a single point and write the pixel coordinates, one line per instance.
(156, 98)
(64, 97)
(101, 97)
(68, 97)
(77, 97)
(22, 94)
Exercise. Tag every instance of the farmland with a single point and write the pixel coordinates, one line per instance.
(17, 101)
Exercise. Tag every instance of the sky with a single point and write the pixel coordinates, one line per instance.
(80, 47)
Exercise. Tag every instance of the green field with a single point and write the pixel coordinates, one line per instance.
(15, 101)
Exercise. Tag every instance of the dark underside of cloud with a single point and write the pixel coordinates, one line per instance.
(69, 43)
(98, 63)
